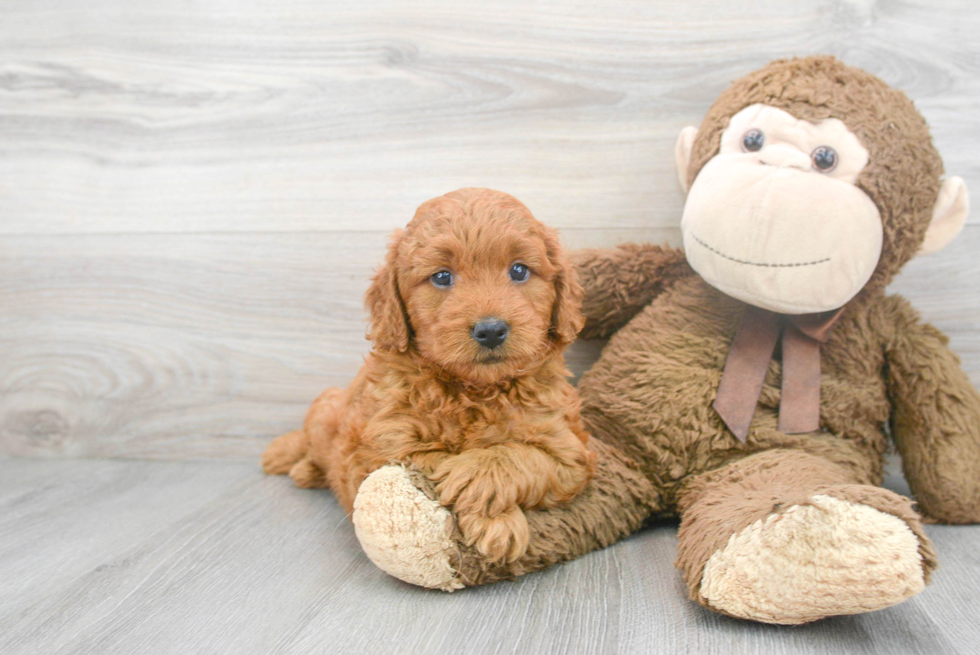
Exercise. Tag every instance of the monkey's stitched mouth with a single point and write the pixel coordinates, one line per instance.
(742, 261)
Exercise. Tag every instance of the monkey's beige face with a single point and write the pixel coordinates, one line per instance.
(775, 218)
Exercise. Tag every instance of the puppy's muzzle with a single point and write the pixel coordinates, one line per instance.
(490, 332)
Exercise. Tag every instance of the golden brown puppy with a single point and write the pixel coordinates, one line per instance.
(466, 381)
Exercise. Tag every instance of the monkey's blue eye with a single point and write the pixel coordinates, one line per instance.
(824, 159)
(519, 273)
(753, 140)
(442, 279)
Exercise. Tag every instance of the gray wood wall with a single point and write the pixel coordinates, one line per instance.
(193, 194)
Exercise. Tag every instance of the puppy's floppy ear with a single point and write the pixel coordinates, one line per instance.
(390, 329)
(566, 315)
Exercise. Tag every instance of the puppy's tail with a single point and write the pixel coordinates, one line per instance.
(284, 452)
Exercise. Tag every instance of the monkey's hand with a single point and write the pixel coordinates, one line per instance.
(936, 416)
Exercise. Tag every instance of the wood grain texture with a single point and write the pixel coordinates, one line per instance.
(206, 346)
(193, 195)
(175, 557)
(119, 116)
(172, 346)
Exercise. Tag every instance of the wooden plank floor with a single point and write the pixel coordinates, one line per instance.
(192, 198)
(193, 195)
(102, 556)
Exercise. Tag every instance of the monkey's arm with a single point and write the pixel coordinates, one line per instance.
(935, 417)
(620, 281)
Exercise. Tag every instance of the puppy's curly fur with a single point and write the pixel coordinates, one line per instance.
(497, 429)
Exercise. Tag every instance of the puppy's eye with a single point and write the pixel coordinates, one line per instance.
(519, 272)
(753, 140)
(442, 279)
(824, 159)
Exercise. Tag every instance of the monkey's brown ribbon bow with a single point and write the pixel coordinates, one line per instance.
(748, 360)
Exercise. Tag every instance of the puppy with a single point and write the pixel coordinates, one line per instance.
(470, 315)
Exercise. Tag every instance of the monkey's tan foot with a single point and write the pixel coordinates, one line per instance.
(762, 544)
(826, 558)
(403, 532)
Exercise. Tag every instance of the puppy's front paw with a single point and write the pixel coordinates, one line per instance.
(501, 537)
(475, 485)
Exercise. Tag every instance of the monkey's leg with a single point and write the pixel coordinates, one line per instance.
(787, 537)
(408, 534)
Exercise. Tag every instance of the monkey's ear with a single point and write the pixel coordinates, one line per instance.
(682, 153)
(948, 216)
(390, 329)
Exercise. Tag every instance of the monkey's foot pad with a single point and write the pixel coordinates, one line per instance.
(403, 532)
(830, 558)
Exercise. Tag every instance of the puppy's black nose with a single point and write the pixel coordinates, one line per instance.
(490, 332)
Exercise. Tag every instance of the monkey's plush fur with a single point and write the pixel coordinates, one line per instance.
(783, 528)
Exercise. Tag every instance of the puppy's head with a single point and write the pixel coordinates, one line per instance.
(477, 286)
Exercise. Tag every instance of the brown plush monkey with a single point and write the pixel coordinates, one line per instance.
(748, 389)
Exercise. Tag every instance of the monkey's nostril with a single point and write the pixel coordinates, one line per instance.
(490, 332)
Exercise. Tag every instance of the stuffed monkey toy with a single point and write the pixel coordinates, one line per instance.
(752, 382)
